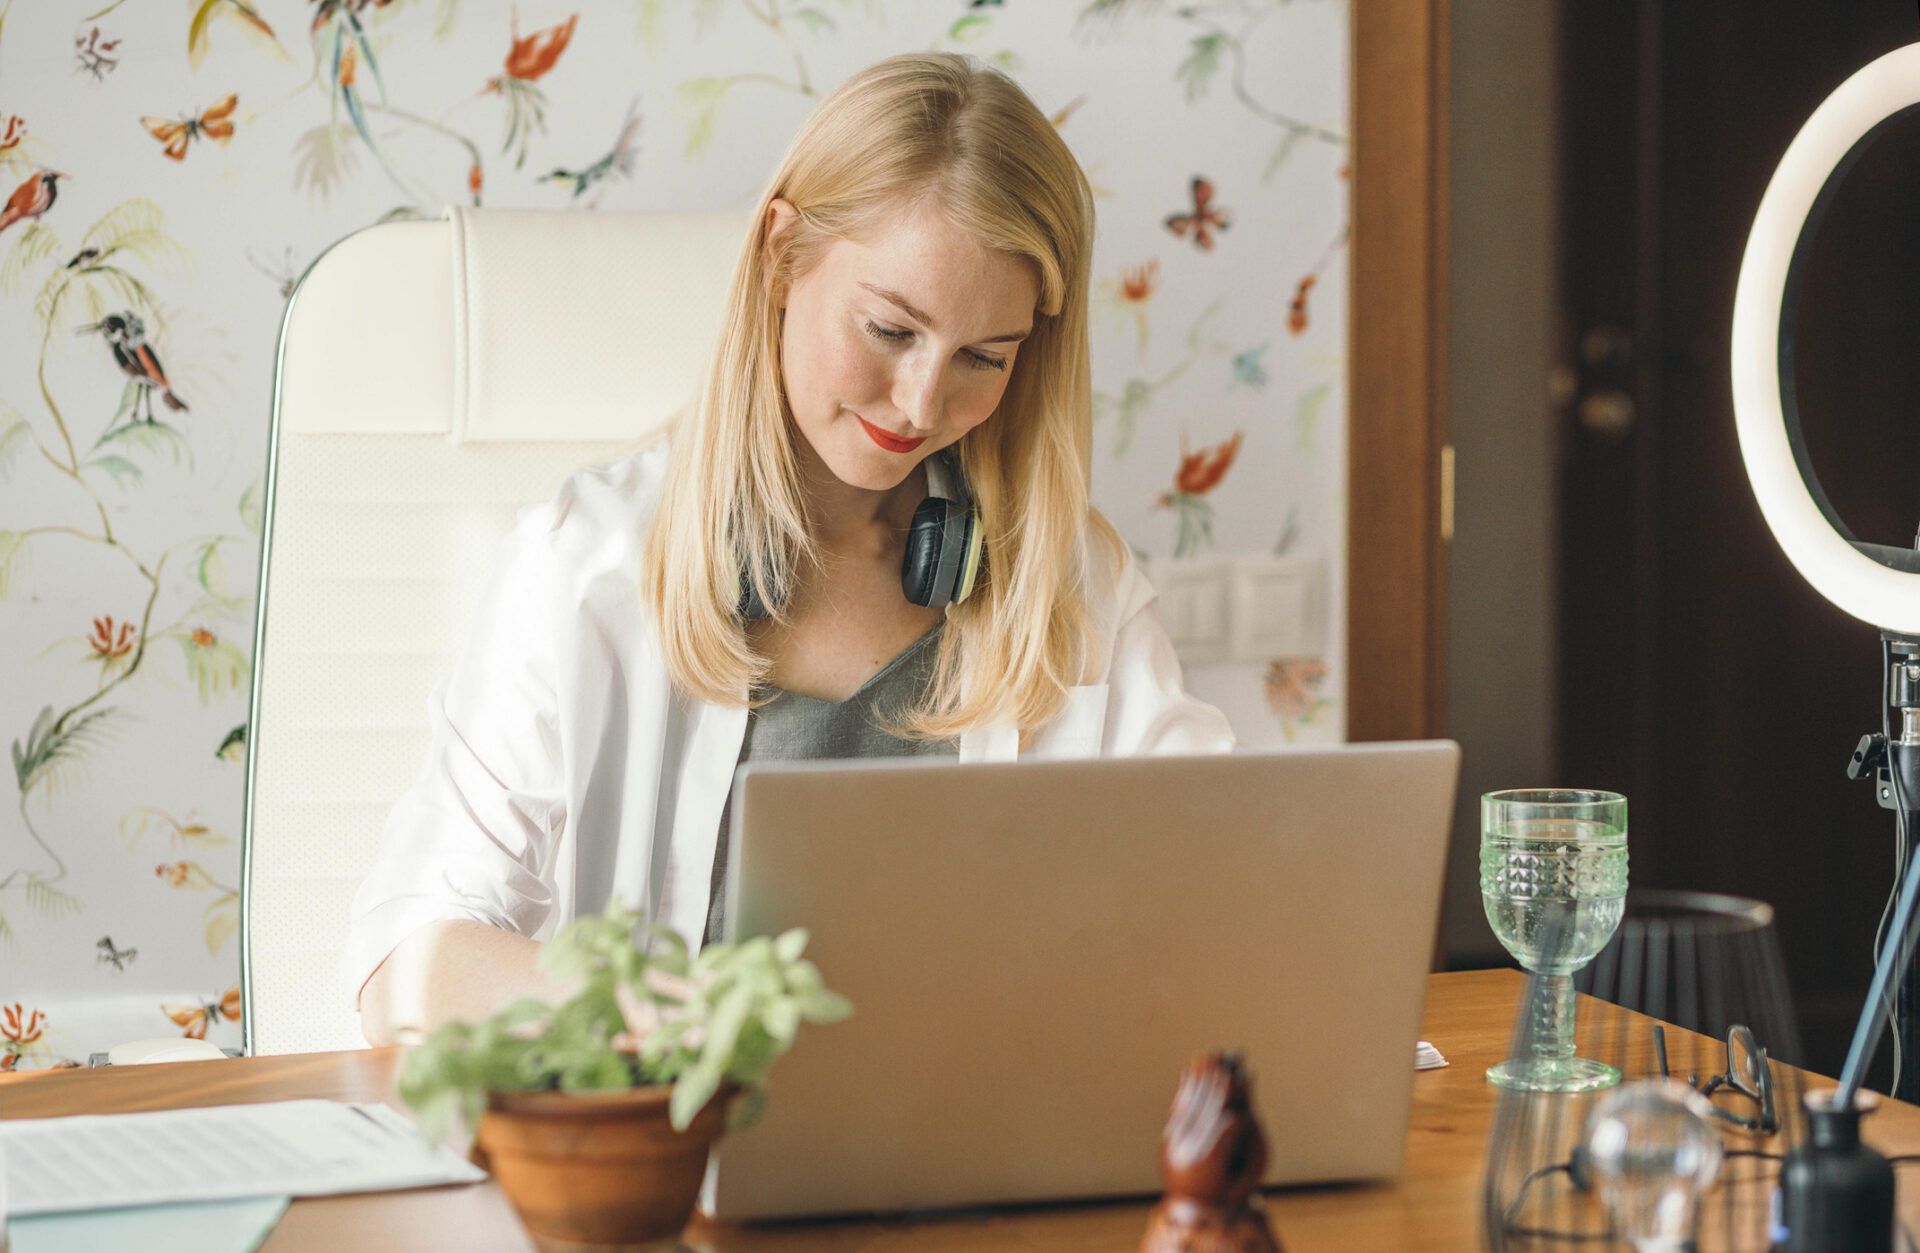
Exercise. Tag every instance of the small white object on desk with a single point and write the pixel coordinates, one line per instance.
(164, 1049)
(1427, 1057)
(281, 1148)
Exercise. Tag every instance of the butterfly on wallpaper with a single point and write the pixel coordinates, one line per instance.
(193, 1020)
(119, 957)
(1205, 219)
(214, 123)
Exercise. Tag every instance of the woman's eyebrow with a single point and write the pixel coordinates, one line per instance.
(906, 306)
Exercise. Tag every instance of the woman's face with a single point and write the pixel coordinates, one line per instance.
(897, 344)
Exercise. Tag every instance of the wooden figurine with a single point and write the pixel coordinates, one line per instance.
(1212, 1158)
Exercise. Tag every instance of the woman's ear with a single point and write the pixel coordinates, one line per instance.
(781, 217)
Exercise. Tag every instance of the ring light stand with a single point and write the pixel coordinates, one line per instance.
(1876, 583)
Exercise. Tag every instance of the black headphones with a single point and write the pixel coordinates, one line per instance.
(944, 544)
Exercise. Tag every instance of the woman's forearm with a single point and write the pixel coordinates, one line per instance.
(450, 971)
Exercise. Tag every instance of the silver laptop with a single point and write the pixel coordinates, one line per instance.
(1034, 950)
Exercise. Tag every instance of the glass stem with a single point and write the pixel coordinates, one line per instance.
(1553, 1018)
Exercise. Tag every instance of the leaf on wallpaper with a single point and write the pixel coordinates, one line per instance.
(233, 748)
(704, 14)
(1113, 11)
(239, 14)
(156, 439)
(123, 472)
(1008, 60)
(815, 21)
(222, 920)
(210, 571)
(250, 507)
(968, 28)
(322, 158)
(49, 901)
(1281, 151)
(58, 755)
(35, 244)
(699, 100)
(138, 226)
(215, 665)
(647, 25)
(1197, 71)
(13, 559)
(1306, 416)
(141, 819)
(14, 435)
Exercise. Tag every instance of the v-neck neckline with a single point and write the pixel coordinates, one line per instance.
(781, 693)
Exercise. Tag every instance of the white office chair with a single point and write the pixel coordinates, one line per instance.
(433, 377)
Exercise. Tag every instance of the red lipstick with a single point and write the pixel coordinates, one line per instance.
(892, 443)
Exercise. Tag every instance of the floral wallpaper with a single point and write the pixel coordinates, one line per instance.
(168, 170)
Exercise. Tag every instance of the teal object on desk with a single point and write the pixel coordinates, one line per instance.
(190, 1227)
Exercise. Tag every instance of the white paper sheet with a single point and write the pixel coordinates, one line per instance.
(297, 1148)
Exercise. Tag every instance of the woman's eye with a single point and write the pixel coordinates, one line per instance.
(888, 333)
(981, 361)
(893, 335)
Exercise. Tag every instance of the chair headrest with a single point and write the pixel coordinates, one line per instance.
(508, 325)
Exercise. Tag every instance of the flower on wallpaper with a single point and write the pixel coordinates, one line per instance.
(95, 54)
(191, 833)
(110, 642)
(238, 14)
(616, 164)
(222, 917)
(21, 1032)
(528, 60)
(1127, 295)
(1297, 307)
(1292, 688)
(12, 131)
(217, 666)
(193, 1020)
(215, 122)
(1198, 474)
(1204, 220)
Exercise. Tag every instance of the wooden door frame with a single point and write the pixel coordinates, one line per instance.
(1398, 481)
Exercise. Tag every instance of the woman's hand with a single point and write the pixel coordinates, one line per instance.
(450, 971)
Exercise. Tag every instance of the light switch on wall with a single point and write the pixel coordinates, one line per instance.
(1246, 607)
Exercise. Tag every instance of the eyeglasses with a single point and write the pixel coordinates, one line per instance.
(1748, 1073)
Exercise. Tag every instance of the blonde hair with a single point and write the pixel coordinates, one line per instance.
(963, 137)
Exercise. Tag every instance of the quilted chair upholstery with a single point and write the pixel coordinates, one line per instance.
(432, 379)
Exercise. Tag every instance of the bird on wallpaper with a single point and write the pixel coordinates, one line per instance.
(127, 335)
(617, 162)
(31, 198)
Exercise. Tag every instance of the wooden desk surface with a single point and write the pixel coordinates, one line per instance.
(1432, 1206)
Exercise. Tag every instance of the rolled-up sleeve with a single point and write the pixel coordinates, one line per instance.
(475, 835)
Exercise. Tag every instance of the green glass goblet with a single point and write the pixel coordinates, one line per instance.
(1553, 880)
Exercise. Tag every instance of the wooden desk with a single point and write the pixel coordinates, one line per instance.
(1432, 1206)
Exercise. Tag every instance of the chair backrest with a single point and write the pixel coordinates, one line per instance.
(432, 378)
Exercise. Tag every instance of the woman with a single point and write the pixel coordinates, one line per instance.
(906, 334)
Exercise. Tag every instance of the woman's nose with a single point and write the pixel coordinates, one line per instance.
(916, 392)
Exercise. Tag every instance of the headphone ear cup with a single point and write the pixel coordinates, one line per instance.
(920, 564)
(750, 606)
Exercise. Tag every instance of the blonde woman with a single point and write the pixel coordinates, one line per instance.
(872, 537)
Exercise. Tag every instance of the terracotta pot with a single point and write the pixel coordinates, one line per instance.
(598, 1171)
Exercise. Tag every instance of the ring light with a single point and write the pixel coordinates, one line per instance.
(1873, 582)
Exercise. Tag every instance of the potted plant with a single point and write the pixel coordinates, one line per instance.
(595, 1115)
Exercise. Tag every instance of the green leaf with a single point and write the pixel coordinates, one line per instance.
(251, 507)
(36, 243)
(221, 920)
(782, 1019)
(599, 1071)
(13, 559)
(156, 439)
(747, 1110)
(699, 99)
(815, 21)
(968, 28)
(691, 1093)
(15, 434)
(57, 757)
(1281, 151)
(117, 467)
(1306, 415)
(1197, 71)
(216, 669)
(823, 1005)
(50, 901)
(790, 945)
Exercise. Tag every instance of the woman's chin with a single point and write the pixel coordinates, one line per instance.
(872, 469)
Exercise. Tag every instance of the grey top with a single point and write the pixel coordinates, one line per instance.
(792, 727)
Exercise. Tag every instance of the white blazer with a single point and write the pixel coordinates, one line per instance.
(565, 770)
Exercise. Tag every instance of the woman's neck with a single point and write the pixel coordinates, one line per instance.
(845, 516)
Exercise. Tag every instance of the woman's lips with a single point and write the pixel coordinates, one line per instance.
(892, 443)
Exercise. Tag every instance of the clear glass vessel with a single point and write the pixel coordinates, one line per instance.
(1553, 880)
